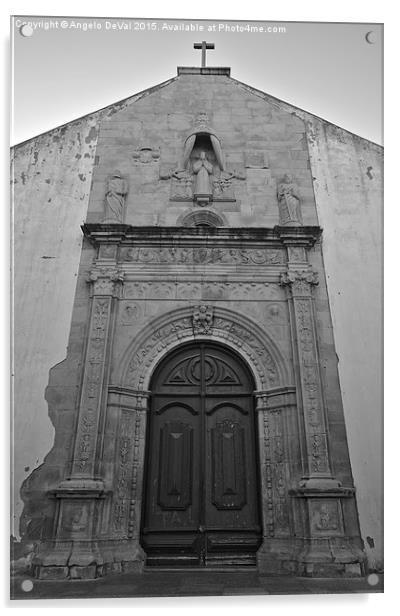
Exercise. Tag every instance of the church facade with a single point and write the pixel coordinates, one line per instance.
(198, 413)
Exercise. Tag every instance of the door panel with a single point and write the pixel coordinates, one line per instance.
(175, 468)
(201, 497)
(228, 479)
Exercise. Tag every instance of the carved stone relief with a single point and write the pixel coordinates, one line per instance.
(223, 185)
(273, 312)
(105, 280)
(256, 159)
(91, 389)
(117, 189)
(275, 472)
(133, 529)
(300, 283)
(75, 518)
(181, 185)
(146, 155)
(108, 251)
(289, 203)
(201, 174)
(199, 255)
(182, 327)
(196, 290)
(325, 517)
(123, 475)
(130, 313)
(297, 254)
(268, 507)
(105, 283)
(203, 319)
(127, 468)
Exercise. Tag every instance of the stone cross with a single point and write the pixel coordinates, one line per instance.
(203, 46)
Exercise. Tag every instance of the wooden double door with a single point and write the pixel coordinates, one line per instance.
(201, 501)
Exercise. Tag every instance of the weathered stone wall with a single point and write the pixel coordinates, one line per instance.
(349, 195)
(257, 138)
(264, 139)
(51, 177)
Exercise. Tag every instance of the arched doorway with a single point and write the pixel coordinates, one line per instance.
(201, 504)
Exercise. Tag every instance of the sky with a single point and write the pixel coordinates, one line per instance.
(67, 68)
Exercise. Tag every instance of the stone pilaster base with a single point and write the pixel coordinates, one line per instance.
(331, 557)
(278, 556)
(87, 560)
(310, 557)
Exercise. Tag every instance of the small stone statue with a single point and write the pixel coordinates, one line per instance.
(117, 189)
(289, 203)
(202, 168)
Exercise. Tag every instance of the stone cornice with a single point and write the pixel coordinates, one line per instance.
(298, 236)
(78, 488)
(99, 233)
(334, 492)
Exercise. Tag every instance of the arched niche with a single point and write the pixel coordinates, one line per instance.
(203, 139)
(201, 218)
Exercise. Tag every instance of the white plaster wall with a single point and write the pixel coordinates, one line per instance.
(348, 190)
(51, 178)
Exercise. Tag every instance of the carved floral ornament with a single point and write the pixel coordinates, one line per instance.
(105, 281)
(219, 324)
(300, 281)
(203, 254)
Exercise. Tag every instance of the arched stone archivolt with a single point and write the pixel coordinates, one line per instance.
(269, 367)
(201, 217)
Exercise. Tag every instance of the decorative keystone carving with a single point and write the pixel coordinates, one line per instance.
(105, 280)
(203, 317)
(300, 281)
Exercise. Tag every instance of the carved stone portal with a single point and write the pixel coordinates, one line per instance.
(309, 520)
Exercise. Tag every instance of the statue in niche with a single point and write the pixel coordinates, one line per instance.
(203, 157)
(201, 172)
(202, 169)
(289, 203)
(117, 189)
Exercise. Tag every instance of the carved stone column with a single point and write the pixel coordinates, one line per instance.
(106, 284)
(318, 471)
(74, 552)
(276, 410)
(127, 411)
(329, 548)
